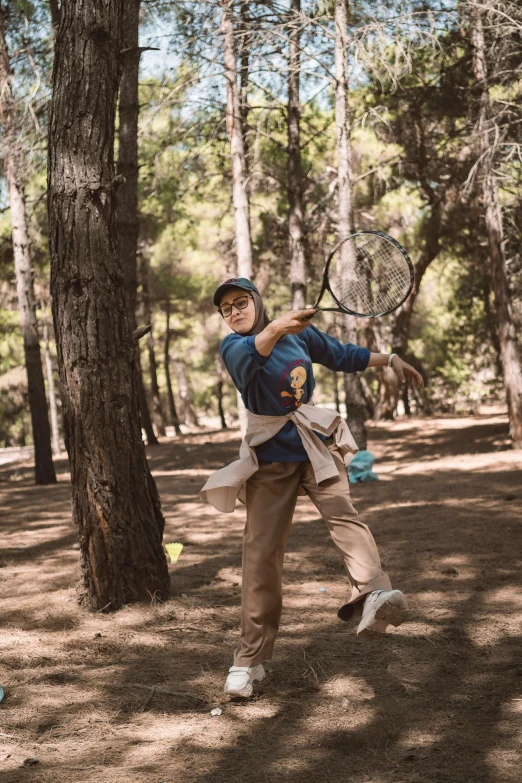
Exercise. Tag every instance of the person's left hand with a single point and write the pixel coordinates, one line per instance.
(406, 372)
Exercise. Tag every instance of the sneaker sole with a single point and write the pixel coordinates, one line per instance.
(248, 690)
(390, 613)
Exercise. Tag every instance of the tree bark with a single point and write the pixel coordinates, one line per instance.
(337, 398)
(188, 412)
(53, 408)
(295, 180)
(491, 322)
(244, 66)
(174, 419)
(44, 468)
(115, 501)
(127, 226)
(430, 251)
(355, 403)
(510, 355)
(127, 223)
(157, 411)
(55, 14)
(389, 387)
(237, 147)
(219, 390)
(239, 166)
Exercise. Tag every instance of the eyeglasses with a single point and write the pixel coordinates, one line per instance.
(241, 303)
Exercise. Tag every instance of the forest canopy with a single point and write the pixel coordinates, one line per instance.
(431, 135)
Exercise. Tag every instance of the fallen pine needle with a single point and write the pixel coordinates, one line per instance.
(91, 767)
(186, 628)
(148, 699)
(167, 692)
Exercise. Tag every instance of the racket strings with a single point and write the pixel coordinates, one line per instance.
(369, 275)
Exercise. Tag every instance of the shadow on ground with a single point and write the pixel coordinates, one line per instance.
(437, 700)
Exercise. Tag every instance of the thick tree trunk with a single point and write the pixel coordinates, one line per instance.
(174, 420)
(53, 408)
(115, 501)
(510, 354)
(157, 411)
(44, 468)
(127, 223)
(237, 146)
(295, 181)
(355, 404)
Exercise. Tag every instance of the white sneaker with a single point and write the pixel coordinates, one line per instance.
(241, 679)
(382, 608)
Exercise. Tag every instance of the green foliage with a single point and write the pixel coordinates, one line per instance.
(413, 109)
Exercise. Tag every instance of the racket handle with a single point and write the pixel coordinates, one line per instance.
(309, 317)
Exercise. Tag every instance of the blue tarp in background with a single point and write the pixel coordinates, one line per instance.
(360, 468)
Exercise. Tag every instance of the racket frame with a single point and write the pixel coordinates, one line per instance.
(326, 285)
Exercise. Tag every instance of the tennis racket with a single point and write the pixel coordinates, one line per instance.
(368, 274)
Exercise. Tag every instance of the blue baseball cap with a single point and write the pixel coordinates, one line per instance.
(234, 282)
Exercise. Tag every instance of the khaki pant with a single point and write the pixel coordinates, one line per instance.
(271, 495)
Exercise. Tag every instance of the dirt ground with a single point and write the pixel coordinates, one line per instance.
(438, 699)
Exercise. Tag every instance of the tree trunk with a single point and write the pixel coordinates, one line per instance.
(389, 386)
(237, 147)
(127, 224)
(43, 458)
(188, 414)
(154, 386)
(239, 166)
(244, 65)
(55, 14)
(219, 389)
(430, 251)
(509, 350)
(295, 180)
(337, 398)
(53, 408)
(492, 325)
(174, 420)
(153, 372)
(355, 403)
(115, 501)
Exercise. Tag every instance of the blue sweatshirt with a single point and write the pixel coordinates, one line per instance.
(276, 384)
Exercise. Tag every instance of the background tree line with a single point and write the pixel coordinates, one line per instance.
(203, 140)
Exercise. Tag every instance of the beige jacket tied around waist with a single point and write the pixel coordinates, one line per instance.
(225, 485)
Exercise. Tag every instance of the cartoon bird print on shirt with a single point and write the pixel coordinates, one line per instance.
(297, 381)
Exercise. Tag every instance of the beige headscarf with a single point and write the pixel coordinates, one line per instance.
(262, 319)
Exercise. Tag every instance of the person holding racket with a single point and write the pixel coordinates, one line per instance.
(291, 448)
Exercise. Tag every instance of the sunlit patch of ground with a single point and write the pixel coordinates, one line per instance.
(438, 699)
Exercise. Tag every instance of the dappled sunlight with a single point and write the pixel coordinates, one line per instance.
(353, 688)
(507, 599)
(333, 704)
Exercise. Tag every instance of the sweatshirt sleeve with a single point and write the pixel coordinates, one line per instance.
(335, 355)
(241, 358)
